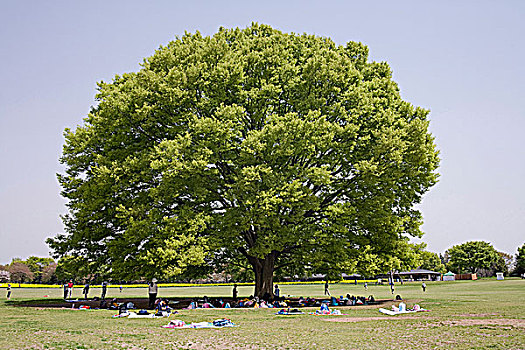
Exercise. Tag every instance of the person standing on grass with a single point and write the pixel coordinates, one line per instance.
(70, 289)
(8, 291)
(152, 291)
(235, 291)
(366, 286)
(65, 290)
(85, 291)
(120, 288)
(392, 286)
(104, 290)
(326, 291)
(424, 286)
(276, 292)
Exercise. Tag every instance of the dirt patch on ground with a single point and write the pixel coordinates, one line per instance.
(375, 318)
(495, 322)
(514, 322)
(477, 315)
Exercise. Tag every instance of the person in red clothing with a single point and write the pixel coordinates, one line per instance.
(70, 288)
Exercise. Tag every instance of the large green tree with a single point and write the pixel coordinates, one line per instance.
(473, 257)
(249, 147)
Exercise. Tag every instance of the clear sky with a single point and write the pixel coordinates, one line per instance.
(463, 60)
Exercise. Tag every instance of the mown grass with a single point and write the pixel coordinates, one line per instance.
(483, 314)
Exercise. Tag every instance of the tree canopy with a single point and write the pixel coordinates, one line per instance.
(473, 257)
(20, 272)
(251, 147)
(431, 261)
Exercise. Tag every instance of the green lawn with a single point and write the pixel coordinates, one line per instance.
(481, 314)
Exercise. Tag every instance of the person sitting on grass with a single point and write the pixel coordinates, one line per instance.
(193, 305)
(248, 302)
(162, 305)
(207, 305)
(114, 304)
(324, 309)
(310, 301)
(123, 308)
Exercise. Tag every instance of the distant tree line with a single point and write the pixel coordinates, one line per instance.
(481, 258)
(32, 270)
(470, 257)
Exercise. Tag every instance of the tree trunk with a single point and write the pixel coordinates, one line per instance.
(263, 269)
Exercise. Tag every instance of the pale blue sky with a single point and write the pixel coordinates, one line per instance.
(463, 60)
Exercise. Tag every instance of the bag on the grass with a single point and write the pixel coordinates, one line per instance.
(143, 312)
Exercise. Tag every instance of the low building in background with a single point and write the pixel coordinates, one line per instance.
(418, 275)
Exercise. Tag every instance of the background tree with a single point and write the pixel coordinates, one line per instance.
(37, 266)
(49, 274)
(20, 272)
(279, 149)
(520, 260)
(505, 263)
(472, 257)
(431, 261)
(77, 268)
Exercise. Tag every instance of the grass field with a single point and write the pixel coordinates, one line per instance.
(483, 314)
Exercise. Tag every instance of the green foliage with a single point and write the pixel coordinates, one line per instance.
(504, 263)
(76, 268)
(49, 274)
(280, 149)
(520, 260)
(31, 270)
(430, 261)
(472, 257)
(37, 266)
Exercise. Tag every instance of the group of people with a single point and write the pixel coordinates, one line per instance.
(249, 302)
(266, 301)
(392, 289)
(209, 303)
(391, 284)
(68, 290)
